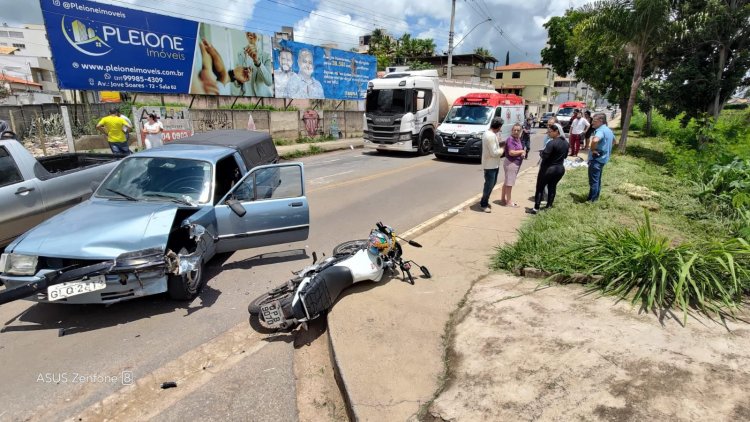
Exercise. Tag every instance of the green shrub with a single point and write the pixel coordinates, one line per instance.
(644, 267)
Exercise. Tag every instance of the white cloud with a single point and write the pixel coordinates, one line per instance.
(229, 13)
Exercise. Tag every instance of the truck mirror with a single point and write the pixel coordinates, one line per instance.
(236, 207)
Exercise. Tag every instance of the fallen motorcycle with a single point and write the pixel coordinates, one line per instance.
(315, 288)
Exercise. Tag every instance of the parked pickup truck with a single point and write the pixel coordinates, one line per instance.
(157, 218)
(32, 190)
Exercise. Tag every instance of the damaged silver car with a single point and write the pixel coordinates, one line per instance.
(157, 218)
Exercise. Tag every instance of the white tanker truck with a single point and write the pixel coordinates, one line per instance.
(404, 109)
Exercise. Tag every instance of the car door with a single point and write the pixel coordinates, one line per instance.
(22, 206)
(276, 209)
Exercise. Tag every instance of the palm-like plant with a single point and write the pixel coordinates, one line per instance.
(640, 27)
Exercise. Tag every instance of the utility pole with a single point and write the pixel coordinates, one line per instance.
(450, 39)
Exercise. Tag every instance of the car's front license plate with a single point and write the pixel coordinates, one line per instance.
(73, 288)
(452, 149)
(272, 313)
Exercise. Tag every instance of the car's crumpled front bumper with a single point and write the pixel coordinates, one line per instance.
(130, 275)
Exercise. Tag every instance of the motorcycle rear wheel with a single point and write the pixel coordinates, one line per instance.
(350, 247)
(278, 293)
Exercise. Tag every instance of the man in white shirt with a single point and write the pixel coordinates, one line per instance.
(491, 157)
(578, 128)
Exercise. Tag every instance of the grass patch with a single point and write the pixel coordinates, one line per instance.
(312, 150)
(303, 140)
(687, 240)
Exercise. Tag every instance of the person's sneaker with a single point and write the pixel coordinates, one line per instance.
(487, 209)
(533, 211)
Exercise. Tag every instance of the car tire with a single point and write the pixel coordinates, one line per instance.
(186, 286)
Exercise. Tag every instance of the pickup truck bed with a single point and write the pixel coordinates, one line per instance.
(68, 163)
(32, 190)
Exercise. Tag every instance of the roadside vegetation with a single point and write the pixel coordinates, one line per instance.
(671, 229)
(312, 150)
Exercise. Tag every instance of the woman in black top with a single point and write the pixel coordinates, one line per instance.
(551, 170)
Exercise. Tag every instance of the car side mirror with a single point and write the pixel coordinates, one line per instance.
(94, 185)
(236, 207)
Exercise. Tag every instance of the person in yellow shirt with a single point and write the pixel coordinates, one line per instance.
(115, 128)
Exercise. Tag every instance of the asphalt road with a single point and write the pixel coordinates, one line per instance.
(223, 369)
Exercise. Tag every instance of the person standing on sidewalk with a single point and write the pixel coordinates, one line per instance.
(578, 127)
(526, 137)
(491, 152)
(601, 148)
(114, 127)
(551, 170)
(514, 153)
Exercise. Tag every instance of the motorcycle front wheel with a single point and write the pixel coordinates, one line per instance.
(350, 247)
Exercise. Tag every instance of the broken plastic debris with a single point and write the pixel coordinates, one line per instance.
(168, 384)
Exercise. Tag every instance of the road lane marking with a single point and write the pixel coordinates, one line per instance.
(330, 175)
(370, 177)
(145, 399)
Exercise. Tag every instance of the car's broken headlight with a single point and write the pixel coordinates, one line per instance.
(142, 258)
(17, 264)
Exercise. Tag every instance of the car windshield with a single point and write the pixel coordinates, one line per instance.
(387, 101)
(473, 115)
(159, 179)
(565, 112)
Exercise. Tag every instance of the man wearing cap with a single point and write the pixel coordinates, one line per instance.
(578, 127)
(115, 128)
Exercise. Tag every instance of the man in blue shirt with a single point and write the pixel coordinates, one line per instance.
(601, 149)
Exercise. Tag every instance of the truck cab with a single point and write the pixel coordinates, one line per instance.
(461, 132)
(402, 112)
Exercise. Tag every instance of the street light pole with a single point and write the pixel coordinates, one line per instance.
(467, 34)
(450, 39)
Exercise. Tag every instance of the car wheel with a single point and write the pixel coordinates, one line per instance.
(186, 286)
(425, 145)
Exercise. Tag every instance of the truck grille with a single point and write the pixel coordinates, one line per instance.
(383, 134)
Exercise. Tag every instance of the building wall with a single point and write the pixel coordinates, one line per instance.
(534, 82)
(32, 38)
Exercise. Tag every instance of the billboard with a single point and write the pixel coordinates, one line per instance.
(109, 48)
(309, 71)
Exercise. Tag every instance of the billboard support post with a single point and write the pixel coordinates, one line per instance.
(287, 105)
(192, 98)
(68, 129)
(235, 101)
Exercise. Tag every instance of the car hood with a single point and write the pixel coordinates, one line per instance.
(100, 229)
(461, 128)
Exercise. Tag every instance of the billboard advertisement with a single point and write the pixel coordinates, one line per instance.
(309, 71)
(175, 121)
(102, 47)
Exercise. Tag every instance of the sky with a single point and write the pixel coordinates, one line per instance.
(515, 25)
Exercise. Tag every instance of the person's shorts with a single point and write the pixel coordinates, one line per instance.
(511, 171)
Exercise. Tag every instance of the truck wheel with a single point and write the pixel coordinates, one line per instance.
(186, 286)
(425, 145)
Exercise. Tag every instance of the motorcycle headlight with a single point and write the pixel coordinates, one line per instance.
(16, 264)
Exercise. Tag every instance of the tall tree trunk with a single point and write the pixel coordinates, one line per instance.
(639, 59)
(716, 107)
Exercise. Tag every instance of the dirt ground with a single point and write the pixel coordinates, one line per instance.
(318, 395)
(522, 351)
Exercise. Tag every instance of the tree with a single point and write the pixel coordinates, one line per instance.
(641, 26)
(481, 51)
(707, 58)
(569, 50)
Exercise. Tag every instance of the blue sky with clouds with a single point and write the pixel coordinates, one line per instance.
(515, 26)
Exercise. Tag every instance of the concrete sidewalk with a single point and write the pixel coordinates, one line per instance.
(472, 344)
(326, 146)
(387, 340)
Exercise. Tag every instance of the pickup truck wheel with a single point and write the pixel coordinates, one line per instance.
(186, 286)
(425, 144)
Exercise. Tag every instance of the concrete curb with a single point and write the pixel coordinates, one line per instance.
(416, 231)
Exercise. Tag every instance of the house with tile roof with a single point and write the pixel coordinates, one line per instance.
(534, 82)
